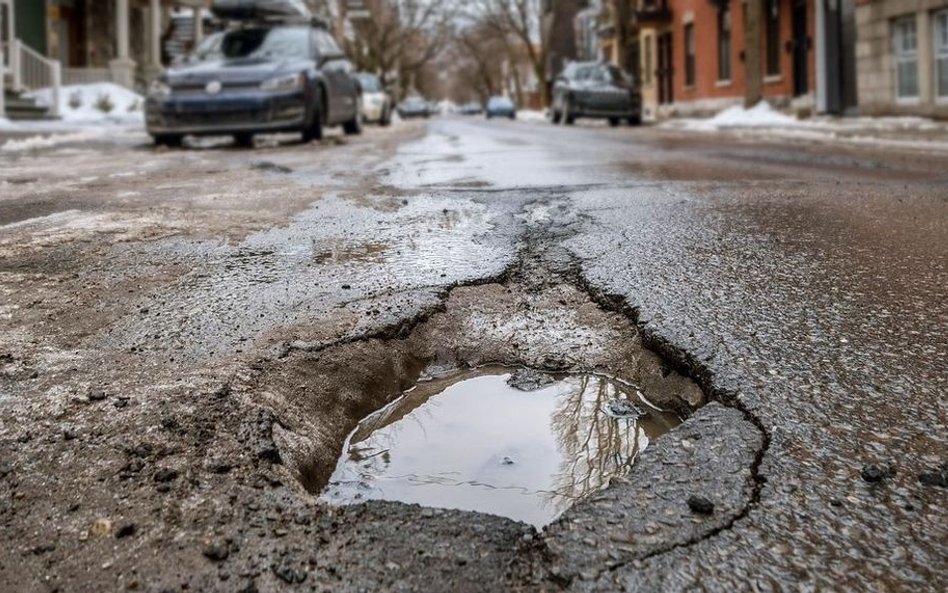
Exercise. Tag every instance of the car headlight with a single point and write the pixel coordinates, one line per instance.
(290, 82)
(159, 89)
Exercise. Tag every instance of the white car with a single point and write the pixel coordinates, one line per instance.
(376, 103)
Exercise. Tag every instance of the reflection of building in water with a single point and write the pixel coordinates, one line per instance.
(594, 446)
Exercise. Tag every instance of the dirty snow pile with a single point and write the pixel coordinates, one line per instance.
(761, 115)
(101, 103)
(51, 140)
(532, 115)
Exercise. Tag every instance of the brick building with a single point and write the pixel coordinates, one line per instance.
(902, 57)
(691, 55)
(709, 53)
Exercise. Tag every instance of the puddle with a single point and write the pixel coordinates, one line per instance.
(473, 442)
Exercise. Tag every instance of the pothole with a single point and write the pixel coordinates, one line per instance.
(361, 420)
(519, 444)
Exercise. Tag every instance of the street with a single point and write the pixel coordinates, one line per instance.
(187, 337)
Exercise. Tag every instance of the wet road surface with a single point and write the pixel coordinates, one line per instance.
(186, 338)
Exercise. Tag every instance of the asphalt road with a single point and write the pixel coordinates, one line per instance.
(187, 336)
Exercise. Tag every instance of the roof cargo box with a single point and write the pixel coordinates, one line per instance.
(260, 9)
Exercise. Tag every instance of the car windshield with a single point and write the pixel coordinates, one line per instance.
(209, 49)
(414, 102)
(370, 83)
(500, 102)
(613, 74)
(279, 42)
(583, 72)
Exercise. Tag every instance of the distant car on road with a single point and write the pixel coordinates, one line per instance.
(596, 90)
(501, 107)
(376, 102)
(414, 107)
(472, 108)
(262, 77)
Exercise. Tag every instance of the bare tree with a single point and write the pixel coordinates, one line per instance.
(400, 37)
(522, 20)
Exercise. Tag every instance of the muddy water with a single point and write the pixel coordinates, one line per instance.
(473, 442)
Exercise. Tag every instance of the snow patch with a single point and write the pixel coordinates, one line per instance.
(38, 142)
(761, 115)
(98, 103)
(532, 115)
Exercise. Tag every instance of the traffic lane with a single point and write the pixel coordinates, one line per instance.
(818, 304)
(661, 154)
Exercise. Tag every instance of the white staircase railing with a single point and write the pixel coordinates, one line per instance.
(29, 70)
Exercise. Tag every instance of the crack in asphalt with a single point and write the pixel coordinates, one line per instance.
(687, 365)
(678, 359)
(539, 241)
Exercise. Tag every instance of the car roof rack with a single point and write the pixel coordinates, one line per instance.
(269, 11)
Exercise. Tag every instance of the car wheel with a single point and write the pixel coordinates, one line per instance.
(353, 127)
(243, 140)
(386, 119)
(568, 117)
(169, 140)
(556, 117)
(513, 116)
(635, 120)
(314, 131)
(614, 121)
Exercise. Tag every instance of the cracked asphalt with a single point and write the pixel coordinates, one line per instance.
(186, 337)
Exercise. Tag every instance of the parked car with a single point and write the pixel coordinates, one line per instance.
(414, 107)
(472, 108)
(376, 102)
(261, 77)
(596, 90)
(501, 107)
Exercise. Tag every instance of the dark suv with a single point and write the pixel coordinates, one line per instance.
(257, 78)
(594, 89)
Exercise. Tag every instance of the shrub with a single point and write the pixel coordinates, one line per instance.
(75, 99)
(104, 103)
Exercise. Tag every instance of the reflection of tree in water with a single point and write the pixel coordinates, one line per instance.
(595, 446)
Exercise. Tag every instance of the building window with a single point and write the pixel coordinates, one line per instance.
(690, 54)
(940, 39)
(772, 23)
(905, 48)
(647, 68)
(724, 43)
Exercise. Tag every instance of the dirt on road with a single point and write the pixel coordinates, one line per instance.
(187, 338)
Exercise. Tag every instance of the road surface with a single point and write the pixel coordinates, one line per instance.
(187, 337)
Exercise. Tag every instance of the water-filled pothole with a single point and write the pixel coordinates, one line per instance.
(474, 442)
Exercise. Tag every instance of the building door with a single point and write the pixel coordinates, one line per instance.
(801, 49)
(665, 71)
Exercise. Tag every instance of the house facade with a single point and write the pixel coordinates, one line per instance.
(691, 56)
(116, 41)
(902, 57)
(709, 52)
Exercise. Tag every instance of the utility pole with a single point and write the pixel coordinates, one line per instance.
(621, 13)
(754, 90)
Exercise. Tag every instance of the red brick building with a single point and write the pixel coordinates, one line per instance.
(708, 53)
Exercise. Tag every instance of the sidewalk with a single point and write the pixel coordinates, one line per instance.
(896, 132)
